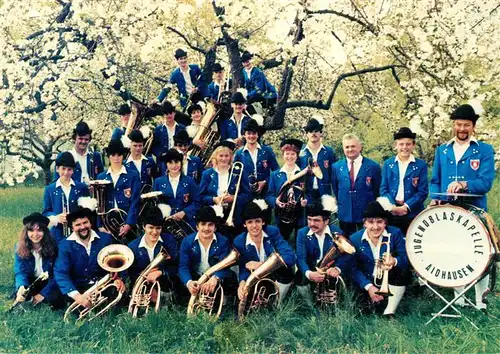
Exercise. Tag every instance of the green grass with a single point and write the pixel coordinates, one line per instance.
(293, 328)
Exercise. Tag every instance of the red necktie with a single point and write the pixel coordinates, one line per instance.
(351, 174)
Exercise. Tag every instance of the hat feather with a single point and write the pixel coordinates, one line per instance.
(125, 141)
(202, 105)
(192, 130)
(92, 124)
(219, 211)
(319, 119)
(259, 119)
(243, 91)
(261, 203)
(385, 203)
(329, 203)
(87, 202)
(165, 210)
(476, 105)
(145, 131)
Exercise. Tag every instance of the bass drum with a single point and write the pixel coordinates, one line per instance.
(449, 246)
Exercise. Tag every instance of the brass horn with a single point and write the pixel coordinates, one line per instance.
(237, 166)
(114, 259)
(208, 302)
(381, 279)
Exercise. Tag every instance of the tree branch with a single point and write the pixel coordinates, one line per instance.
(188, 42)
(366, 25)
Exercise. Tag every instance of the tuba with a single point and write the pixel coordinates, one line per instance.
(142, 292)
(114, 259)
(381, 278)
(264, 291)
(214, 301)
(327, 292)
(205, 134)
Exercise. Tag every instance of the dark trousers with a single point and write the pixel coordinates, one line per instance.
(286, 230)
(401, 222)
(350, 227)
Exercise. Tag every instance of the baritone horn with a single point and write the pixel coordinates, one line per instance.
(114, 259)
(381, 279)
(213, 301)
(264, 291)
(143, 292)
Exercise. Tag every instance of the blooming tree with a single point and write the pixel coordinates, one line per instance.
(370, 66)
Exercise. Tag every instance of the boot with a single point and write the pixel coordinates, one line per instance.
(305, 292)
(394, 300)
(283, 288)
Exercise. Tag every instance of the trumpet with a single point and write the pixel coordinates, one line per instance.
(381, 278)
(142, 292)
(215, 300)
(237, 166)
(27, 292)
(65, 210)
(114, 259)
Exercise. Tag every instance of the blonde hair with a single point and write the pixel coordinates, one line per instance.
(350, 136)
(217, 151)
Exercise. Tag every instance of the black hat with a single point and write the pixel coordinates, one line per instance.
(257, 208)
(291, 144)
(152, 216)
(323, 207)
(65, 159)
(404, 132)
(136, 136)
(82, 129)
(179, 53)
(217, 68)
(36, 218)
(238, 98)
(167, 107)
(124, 109)
(465, 111)
(182, 137)
(115, 147)
(313, 125)
(194, 107)
(226, 143)
(375, 210)
(252, 126)
(79, 214)
(172, 155)
(246, 56)
(209, 214)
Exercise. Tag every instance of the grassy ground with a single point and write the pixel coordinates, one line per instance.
(293, 328)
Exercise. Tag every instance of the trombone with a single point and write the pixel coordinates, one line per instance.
(65, 210)
(237, 166)
(381, 278)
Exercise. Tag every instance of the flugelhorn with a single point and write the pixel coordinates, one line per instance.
(142, 292)
(114, 259)
(214, 301)
(237, 166)
(381, 279)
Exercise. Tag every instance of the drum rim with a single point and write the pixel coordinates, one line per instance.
(491, 256)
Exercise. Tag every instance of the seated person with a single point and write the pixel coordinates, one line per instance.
(313, 243)
(258, 242)
(372, 245)
(35, 254)
(61, 196)
(76, 267)
(255, 82)
(144, 166)
(124, 113)
(147, 247)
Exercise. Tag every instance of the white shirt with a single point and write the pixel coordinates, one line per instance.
(137, 163)
(290, 174)
(357, 165)
(253, 155)
(170, 134)
(460, 149)
(82, 160)
(66, 189)
(262, 252)
(375, 250)
(315, 159)
(403, 166)
(116, 175)
(174, 182)
(204, 265)
(187, 78)
(238, 125)
(223, 181)
(150, 250)
(92, 237)
(321, 242)
(38, 263)
(249, 72)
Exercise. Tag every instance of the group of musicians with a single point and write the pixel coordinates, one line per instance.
(230, 203)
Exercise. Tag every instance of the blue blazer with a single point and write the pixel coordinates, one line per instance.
(364, 263)
(190, 256)
(210, 183)
(194, 170)
(176, 78)
(141, 257)
(416, 186)
(160, 139)
(94, 167)
(118, 133)
(127, 194)
(257, 85)
(352, 204)
(326, 159)
(74, 269)
(147, 173)
(477, 167)
(273, 242)
(213, 89)
(229, 129)
(53, 204)
(266, 162)
(187, 198)
(24, 272)
(308, 251)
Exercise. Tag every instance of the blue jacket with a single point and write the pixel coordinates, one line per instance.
(352, 204)
(228, 128)
(53, 203)
(190, 256)
(127, 194)
(308, 251)
(477, 167)
(266, 162)
(94, 167)
(187, 198)
(273, 242)
(75, 269)
(194, 170)
(118, 133)
(213, 89)
(210, 183)
(141, 257)
(160, 139)
(176, 78)
(24, 271)
(257, 85)
(148, 171)
(364, 262)
(416, 186)
(326, 159)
